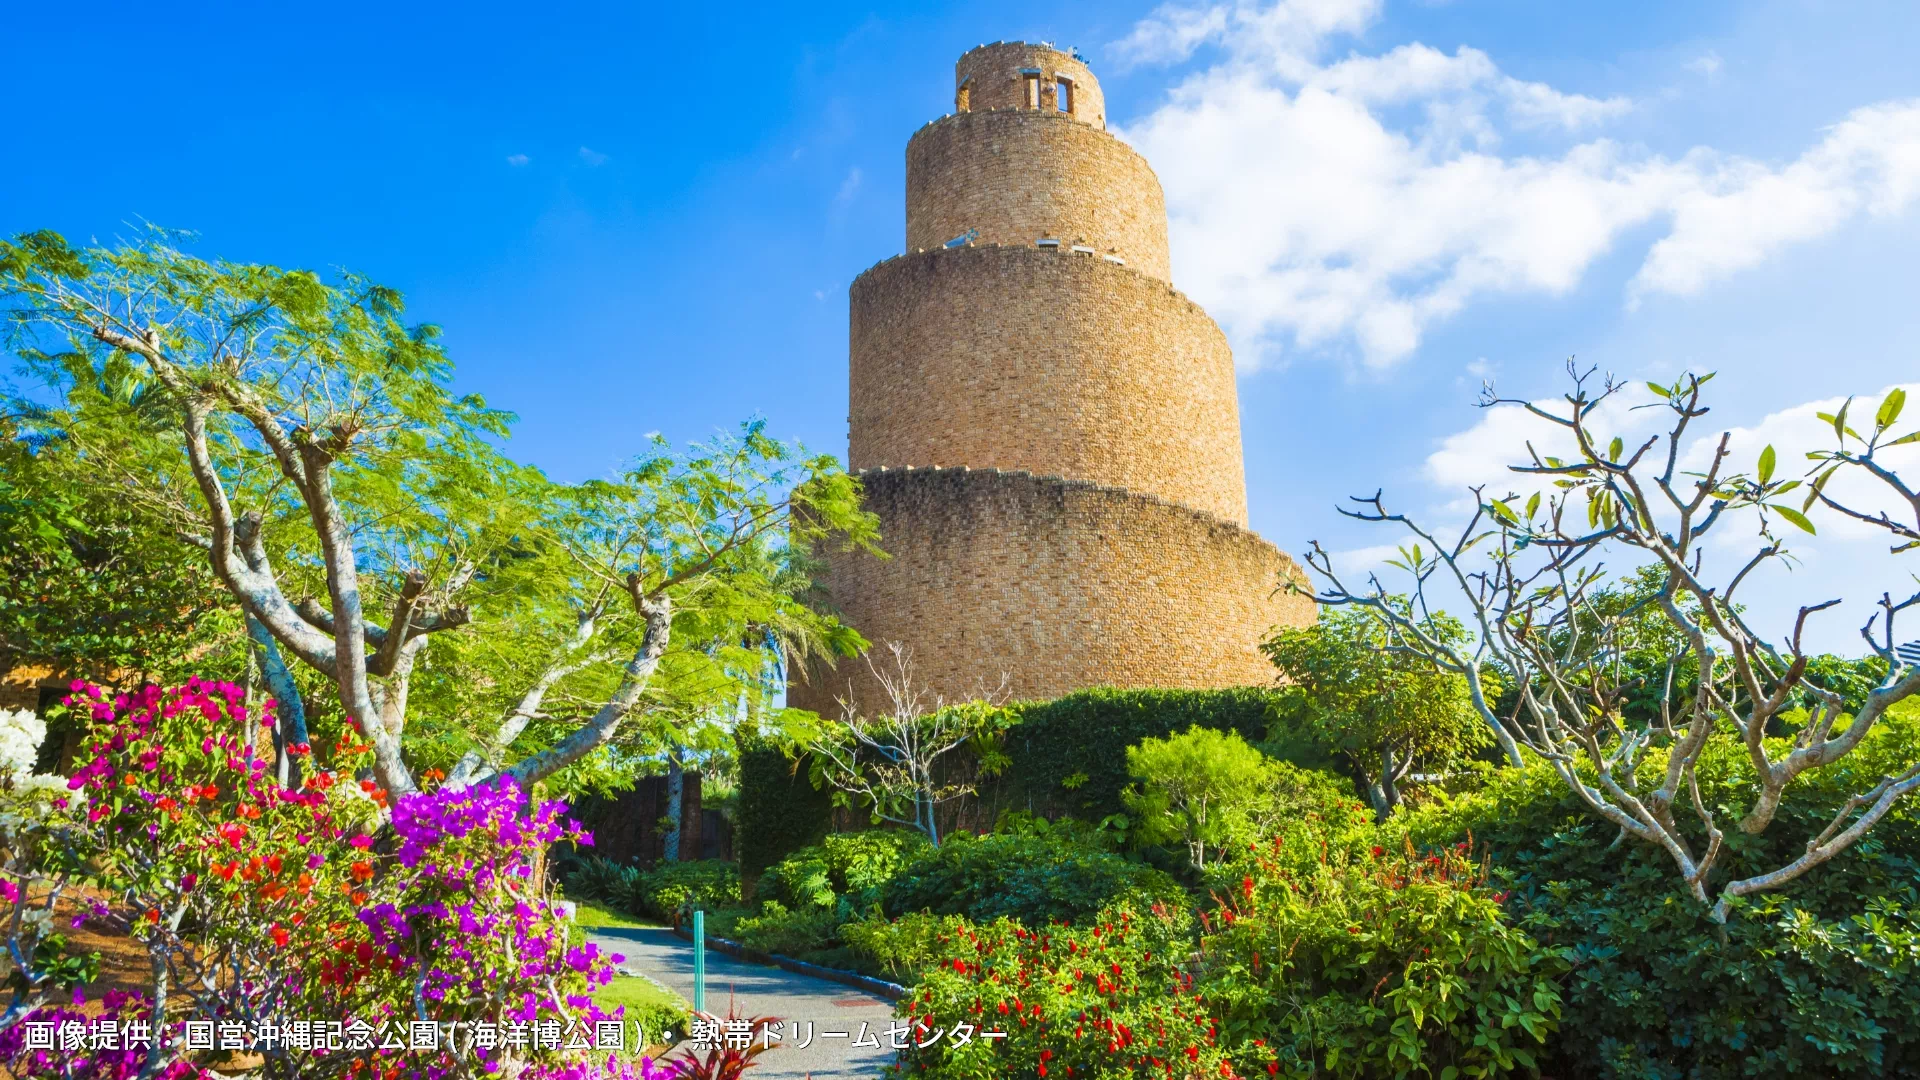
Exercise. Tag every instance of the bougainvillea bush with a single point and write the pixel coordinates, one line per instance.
(272, 907)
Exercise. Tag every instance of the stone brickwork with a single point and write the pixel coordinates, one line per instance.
(1030, 358)
(1014, 176)
(997, 76)
(1049, 437)
(1059, 584)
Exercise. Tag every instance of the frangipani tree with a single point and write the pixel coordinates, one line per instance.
(357, 510)
(1529, 577)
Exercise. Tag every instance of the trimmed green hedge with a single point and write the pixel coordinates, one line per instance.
(1070, 753)
(780, 812)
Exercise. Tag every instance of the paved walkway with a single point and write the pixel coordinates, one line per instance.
(768, 991)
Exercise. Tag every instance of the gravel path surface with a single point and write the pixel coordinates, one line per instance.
(769, 991)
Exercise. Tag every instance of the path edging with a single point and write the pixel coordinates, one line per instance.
(879, 988)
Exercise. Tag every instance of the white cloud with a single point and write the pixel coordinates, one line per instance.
(1707, 64)
(1846, 559)
(1354, 202)
(517, 160)
(1868, 163)
(592, 157)
(849, 186)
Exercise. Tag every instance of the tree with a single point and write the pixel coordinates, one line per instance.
(1203, 789)
(1529, 575)
(1387, 713)
(898, 764)
(314, 451)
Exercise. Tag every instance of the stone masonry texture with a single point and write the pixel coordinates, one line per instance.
(995, 77)
(1058, 585)
(1013, 176)
(1064, 364)
(1050, 438)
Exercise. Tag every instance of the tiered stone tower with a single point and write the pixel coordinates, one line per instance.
(1047, 429)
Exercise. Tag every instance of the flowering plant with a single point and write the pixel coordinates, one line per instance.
(37, 961)
(1369, 962)
(267, 906)
(1101, 1002)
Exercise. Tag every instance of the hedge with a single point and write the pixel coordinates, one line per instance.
(1070, 753)
(780, 811)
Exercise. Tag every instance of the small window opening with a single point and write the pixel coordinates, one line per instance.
(1063, 95)
(962, 98)
(1033, 91)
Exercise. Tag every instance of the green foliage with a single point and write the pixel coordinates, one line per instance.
(1382, 964)
(308, 397)
(1107, 1000)
(1205, 789)
(1821, 978)
(95, 583)
(901, 948)
(776, 929)
(1030, 879)
(673, 889)
(1384, 713)
(780, 809)
(1064, 751)
(843, 863)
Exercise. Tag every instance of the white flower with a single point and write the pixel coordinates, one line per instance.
(21, 734)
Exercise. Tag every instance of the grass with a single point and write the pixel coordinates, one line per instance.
(640, 996)
(594, 916)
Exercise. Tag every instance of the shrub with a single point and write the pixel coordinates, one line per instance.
(268, 904)
(1387, 964)
(671, 889)
(843, 863)
(778, 930)
(590, 877)
(1207, 789)
(1105, 1001)
(1063, 750)
(902, 948)
(1033, 880)
(1819, 979)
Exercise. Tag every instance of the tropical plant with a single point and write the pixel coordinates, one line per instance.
(306, 438)
(1386, 713)
(1528, 575)
(1202, 789)
(897, 765)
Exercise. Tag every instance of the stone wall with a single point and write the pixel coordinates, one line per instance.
(1061, 364)
(1059, 584)
(994, 77)
(1014, 176)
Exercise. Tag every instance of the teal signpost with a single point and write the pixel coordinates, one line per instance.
(699, 961)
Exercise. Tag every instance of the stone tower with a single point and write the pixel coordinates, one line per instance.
(1048, 431)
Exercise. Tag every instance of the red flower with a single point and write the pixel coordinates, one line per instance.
(1246, 886)
(1378, 851)
(278, 934)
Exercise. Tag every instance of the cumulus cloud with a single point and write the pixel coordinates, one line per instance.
(517, 160)
(1845, 559)
(1707, 64)
(592, 157)
(1353, 202)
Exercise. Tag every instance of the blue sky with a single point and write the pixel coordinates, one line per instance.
(632, 220)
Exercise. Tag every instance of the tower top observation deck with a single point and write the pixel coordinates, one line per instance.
(1020, 75)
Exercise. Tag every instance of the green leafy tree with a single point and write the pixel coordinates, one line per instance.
(1387, 712)
(1203, 789)
(361, 513)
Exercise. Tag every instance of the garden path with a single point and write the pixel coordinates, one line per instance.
(768, 991)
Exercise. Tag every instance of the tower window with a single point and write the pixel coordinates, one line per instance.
(962, 98)
(1063, 94)
(1032, 77)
